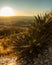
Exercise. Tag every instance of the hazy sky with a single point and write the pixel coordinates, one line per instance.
(28, 7)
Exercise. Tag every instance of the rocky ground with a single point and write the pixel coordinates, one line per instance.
(45, 58)
(42, 59)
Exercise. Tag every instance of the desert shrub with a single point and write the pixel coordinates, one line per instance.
(38, 39)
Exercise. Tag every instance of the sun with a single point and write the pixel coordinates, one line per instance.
(6, 11)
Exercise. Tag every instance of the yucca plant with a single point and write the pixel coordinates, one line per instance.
(39, 38)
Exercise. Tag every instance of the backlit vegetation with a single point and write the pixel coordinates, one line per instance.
(27, 42)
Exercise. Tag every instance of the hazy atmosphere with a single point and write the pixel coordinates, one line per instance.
(27, 7)
(25, 32)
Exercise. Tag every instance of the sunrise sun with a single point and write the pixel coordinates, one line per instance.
(6, 11)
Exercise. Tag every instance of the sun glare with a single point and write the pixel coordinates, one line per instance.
(6, 11)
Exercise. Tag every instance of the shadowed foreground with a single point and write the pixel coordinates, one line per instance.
(32, 46)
